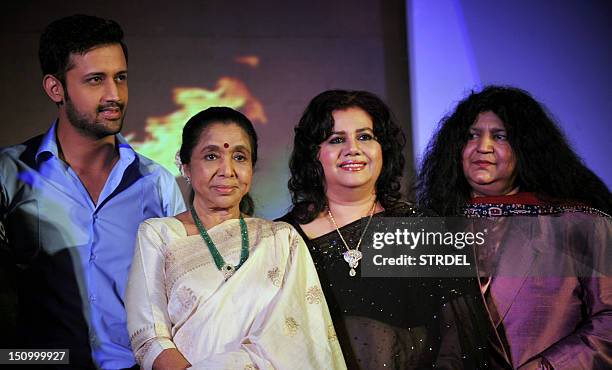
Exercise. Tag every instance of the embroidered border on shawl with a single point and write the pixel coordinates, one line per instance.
(192, 256)
(142, 352)
(502, 210)
(134, 337)
(331, 333)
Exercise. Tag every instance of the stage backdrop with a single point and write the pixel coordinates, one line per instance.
(560, 51)
(267, 59)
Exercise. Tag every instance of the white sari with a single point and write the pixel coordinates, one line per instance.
(271, 314)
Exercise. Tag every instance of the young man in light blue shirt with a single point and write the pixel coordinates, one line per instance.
(71, 201)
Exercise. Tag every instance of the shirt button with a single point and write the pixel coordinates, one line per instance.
(92, 257)
(92, 297)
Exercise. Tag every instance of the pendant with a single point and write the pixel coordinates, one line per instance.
(228, 270)
(352, 257)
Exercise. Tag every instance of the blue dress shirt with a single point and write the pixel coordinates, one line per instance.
(73, 256)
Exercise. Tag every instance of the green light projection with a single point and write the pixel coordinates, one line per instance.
(163, 133)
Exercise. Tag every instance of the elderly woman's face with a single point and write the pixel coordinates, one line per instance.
(221, 168)
(351, 157)
(489, 163)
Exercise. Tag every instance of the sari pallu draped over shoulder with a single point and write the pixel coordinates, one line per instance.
(271, 314)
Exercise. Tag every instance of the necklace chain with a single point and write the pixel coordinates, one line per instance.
(352, 256)
(226, 268)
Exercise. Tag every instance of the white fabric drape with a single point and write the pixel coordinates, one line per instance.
(271, 314)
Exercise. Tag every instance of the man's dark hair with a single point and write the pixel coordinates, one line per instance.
(75, 34)
(307, 182)
(546, 163)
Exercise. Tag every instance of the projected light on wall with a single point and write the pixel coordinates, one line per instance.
(163, 133)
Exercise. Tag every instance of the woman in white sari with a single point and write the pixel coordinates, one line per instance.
(212, 289)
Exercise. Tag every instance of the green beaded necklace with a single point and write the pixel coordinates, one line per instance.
(226, 268)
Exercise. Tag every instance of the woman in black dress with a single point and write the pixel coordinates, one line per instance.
(346, 167)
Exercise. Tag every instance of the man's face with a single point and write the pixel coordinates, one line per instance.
(96, 91)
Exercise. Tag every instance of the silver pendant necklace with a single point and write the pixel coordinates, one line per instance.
(352, 256)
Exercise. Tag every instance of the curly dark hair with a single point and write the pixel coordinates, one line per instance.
(307, 185)
(75, 34)
(546, 164)
(196, 124)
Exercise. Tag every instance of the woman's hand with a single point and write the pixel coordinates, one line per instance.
(170, 359)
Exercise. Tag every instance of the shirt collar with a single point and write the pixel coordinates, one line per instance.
(126, 152)
(49, 143)
(49, 146)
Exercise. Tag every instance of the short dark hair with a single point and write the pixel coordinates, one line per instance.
(306, 184)
(75, 34)
(546, 164)
(198, 123)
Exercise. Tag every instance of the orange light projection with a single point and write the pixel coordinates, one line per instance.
(163, 133)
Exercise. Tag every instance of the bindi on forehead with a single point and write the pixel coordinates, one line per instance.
(224, 136)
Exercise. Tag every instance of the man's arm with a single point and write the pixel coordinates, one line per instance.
(171, 196)
(8, 295)
(3, 208)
